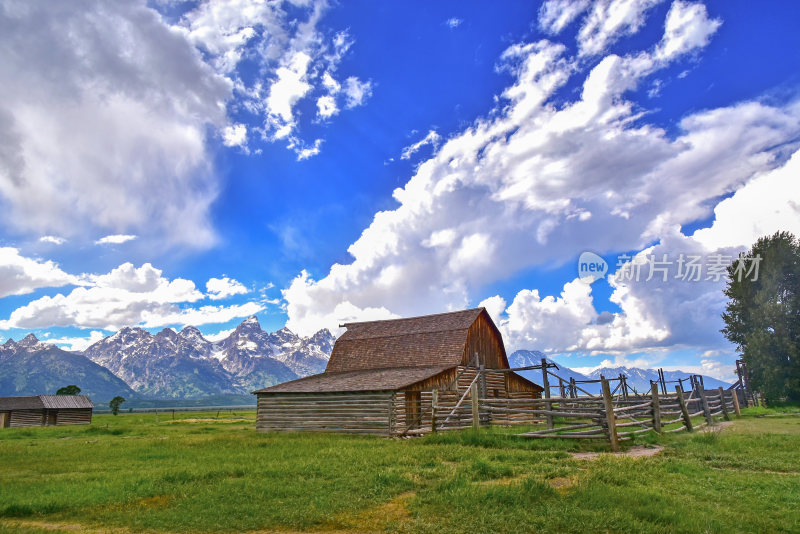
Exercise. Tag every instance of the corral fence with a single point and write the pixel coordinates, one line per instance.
(616, 414)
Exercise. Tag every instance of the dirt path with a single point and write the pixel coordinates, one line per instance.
(633, 452)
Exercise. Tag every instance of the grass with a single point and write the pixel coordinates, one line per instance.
(199, 473)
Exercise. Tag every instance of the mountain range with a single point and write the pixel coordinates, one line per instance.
(637, 378)
(167, 365)
(184, 365)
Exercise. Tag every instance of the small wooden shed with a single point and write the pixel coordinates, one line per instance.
(382, 376)
(45, 410)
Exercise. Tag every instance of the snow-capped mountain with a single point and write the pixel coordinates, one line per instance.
(640, 378)
(32, 367)
(637, 378)
(186, 365)
(525, 358)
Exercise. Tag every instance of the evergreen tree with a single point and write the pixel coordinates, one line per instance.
(762, 317)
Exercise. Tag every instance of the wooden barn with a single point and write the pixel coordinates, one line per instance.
(45, 410)
(385, 377)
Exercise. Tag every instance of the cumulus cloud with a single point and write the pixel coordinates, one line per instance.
(534, 184)
(107, 108)
(235, 135)
(222, 288)
(687, 27)
(453, 22)
(128, 296)
(88, 90)
(20, 275)
(116, 239)
(671, 310)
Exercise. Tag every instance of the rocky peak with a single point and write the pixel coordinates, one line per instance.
(168, 334)
(250, 322)
(191, 332)
(29, 341)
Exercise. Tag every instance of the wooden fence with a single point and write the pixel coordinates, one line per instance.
(606, 416)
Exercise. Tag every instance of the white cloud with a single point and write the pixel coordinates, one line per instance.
(222, 288)
(20, 275)
(305, 152)
(219, 336)
(125, 82)
(534, 184)
(128, 296)
(608, 20)
(432, 139)
(235, 135)
(116, 239)
(326, 106)
(687, 28)
(296, 60)
(356, 91)
(77, 343)
(55, 240)
(555, 15)
(85, 94)
(453, 22)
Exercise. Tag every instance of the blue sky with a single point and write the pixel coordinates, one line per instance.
(314, 163)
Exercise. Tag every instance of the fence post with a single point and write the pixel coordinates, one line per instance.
(656, 408)
(687, 421)
(546, 386)
(735, 396)
(725, 413)
(611, 421)
(434, 407)
(476, 418)
(706, 410)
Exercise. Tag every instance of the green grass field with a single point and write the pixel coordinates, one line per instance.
(133, 474)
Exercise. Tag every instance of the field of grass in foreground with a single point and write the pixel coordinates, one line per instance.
(132, 474)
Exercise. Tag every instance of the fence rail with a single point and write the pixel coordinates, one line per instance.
(608, 416)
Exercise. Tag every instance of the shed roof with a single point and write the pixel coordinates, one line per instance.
(358, 380)
(66, 401)
(21, 403)
(42, 402)
(430, 340)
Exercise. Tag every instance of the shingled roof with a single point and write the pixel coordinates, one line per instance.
(359, 380)
(41, 402)
(430, 340)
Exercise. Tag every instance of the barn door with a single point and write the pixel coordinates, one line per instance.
(4, 419)
(413, 401)
(51, 418)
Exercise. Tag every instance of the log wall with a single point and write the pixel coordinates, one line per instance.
(74, 416)
(351, 412)
(26, 418)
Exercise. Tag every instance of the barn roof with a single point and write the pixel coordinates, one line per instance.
(358, 380)
(41, 402)
(430, 340)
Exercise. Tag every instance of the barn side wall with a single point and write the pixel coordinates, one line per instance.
(26, 418)
(368, 412)
(74, 416)
(485, 340)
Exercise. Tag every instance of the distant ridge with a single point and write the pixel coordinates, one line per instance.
(637, 378)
